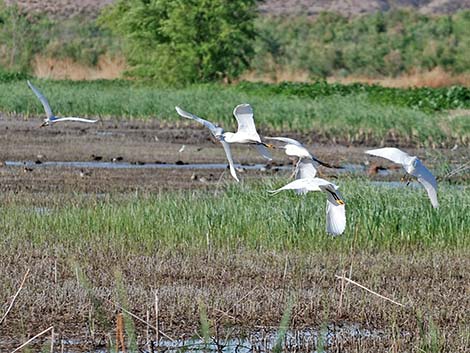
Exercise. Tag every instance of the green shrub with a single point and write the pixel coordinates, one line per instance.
(180, 42)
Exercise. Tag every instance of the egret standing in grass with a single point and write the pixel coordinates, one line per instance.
(335, 205)
(412, 166)
(50, 117)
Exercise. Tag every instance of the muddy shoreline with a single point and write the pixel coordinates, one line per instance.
(142, 142)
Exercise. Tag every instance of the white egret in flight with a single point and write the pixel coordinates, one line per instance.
(217, 132)
(335, 206)
(246, 133)
(412, 166)
(50, 117)
(295, 149)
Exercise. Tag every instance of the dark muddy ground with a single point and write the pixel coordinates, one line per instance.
(142, 142)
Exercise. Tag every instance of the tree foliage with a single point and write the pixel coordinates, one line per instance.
(380, 44)
(184, 41)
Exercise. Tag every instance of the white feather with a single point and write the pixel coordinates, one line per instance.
(228, 153)
(45, 103)
(428, 180)
(214, 129)
(335, 218)
(244, 115)
(393, 154)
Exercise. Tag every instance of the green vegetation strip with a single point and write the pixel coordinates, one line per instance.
(246, 215)
(334, 112)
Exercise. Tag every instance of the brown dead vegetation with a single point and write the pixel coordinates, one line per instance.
(59, 69)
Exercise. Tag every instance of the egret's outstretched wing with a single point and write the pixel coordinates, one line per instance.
(215, 130)
(391, 153)
(45, 103)
(307, 184)
(299, 184)
(71, 118)
(428, 180)
(264, 152)
(335, 218)
(305, 168)
(244, 115)
(286, 140)
(228, 153)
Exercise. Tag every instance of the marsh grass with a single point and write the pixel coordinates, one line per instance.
(245, 215)
(350, 118)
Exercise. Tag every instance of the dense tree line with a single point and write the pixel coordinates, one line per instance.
(381, 44)
(181, 42)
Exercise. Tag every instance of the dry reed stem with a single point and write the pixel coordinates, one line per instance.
(14, 297)
(234, 304)
(32, 339)
(157, 319)
(52, 340)
(369, 290)
(138, 318)
(120, 333)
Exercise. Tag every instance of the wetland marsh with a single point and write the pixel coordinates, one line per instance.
(227, 262)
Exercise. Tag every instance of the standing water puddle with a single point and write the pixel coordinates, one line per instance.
(261, 340)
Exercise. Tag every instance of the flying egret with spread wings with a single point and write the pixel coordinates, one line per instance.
(412, 166)
(50, 117)
(335, 206)
(217, 132)
(246, 133)
(295, 149)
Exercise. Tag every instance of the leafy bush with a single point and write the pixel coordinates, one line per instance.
(180, 42)
(8, 76)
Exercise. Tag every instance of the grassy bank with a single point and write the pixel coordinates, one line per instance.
(350, 114)
(379, 217)
(243, 255)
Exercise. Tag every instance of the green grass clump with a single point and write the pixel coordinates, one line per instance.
(379, 218)
(333, 114)
(423, 98)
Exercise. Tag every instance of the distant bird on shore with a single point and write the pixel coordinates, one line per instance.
(412, 166)
(217, 132)
(335, 205)
(50, 117)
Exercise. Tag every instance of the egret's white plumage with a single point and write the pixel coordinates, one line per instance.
(304, 169)
(50, 117)
(246, 133)
(217, 132)
(335, 207)
(294, 148)
(412, 166)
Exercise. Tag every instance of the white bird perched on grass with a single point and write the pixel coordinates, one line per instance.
(50, 117)
(295, 149)
(412, 166)
(217, 132)
(335, 206)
